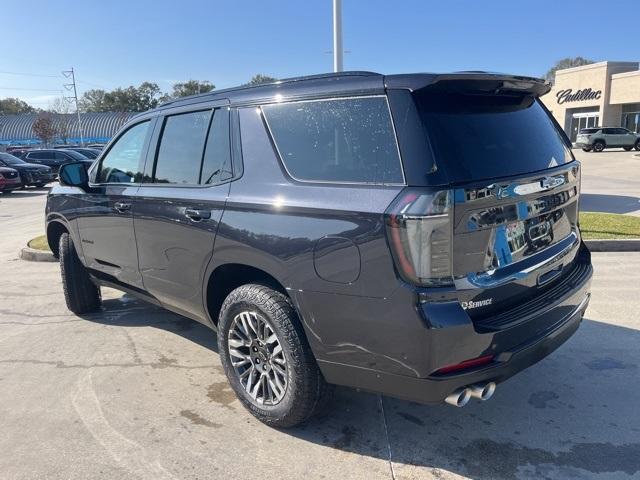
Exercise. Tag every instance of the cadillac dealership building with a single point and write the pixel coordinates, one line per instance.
(600, 94)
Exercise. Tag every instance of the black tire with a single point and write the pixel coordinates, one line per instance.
(637, 146)
(628, 149)
(6, 192)
(40, 185)
(80, 293)
(306, 392)
(598, 146)
(586, 149)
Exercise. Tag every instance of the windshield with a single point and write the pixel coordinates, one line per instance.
(476, 137)
(10, 159)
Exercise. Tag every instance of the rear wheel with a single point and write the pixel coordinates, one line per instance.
(80, 293)
(637, 146)
(6, 192)
(586, 149)
(598, 146)
(267, 359)
(40, 185)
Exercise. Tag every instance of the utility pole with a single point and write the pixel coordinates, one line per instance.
(337, 36)
(71, 74)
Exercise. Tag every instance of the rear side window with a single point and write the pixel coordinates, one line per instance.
(216, 166)
(343, 140)
(477, 137)
(181, 146)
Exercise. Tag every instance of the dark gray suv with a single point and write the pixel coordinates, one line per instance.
(415, 235)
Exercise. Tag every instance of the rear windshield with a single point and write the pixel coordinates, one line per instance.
(476, 137)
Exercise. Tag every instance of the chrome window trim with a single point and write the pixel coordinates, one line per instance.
(327, 99)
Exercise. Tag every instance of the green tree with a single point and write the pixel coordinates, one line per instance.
(13, 106)
(566, 63)
(260, 78)
(190, 87)
(130, 99)
(43, 127)
(93, 101)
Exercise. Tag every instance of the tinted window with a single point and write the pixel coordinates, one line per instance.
(478, 137)
(121, 164)
(181, 146)
(70, 154)
(346, 140)
(609, 131)
(37, 155)
(217, 155)
(589, 131)
(621, 131)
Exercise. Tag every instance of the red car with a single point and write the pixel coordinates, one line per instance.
(9, 180)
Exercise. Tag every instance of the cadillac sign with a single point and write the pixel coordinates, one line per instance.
(585, 94)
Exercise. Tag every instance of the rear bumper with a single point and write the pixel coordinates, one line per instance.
(514, 349)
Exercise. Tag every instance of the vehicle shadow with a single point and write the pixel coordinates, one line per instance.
(128, 311)
(571, 415)
(567, 416)
(593, 202)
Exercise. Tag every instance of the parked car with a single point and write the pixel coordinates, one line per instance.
(401, 234)
(9, 180)
(53, 158)
(90, 153)
(30, 173)
(599, 138)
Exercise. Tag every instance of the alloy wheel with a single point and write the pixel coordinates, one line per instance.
(257, 358)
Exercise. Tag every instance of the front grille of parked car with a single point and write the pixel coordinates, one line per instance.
(523, 312)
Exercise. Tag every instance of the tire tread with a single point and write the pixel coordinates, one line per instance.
(80, 293)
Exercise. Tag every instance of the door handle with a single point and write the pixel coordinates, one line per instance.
(122, 207)
(197, 215)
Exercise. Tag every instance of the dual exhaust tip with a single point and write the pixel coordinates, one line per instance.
(479, 391)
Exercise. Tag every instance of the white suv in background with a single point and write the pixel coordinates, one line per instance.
(599, 138)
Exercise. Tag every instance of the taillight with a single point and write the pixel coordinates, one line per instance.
(418, 226)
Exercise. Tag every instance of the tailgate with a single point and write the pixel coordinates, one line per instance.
(514, 238)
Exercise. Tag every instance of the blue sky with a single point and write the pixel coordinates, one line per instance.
(120, 43)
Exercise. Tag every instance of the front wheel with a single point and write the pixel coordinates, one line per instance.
(637, 145)
(80, 293)
(267, 359)
(598, 146)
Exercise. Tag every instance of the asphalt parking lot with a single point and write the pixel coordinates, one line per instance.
(136, 392)
(610, 181)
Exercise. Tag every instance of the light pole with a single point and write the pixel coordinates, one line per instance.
(337, 36)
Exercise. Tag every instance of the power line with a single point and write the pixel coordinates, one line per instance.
(29, 74)
(30, 89)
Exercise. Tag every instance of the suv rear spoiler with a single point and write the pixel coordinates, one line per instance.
(469, 82)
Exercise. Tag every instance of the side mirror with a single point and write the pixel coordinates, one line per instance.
(74, 175)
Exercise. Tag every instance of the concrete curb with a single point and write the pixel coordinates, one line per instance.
(32, 255)
(612, 245)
